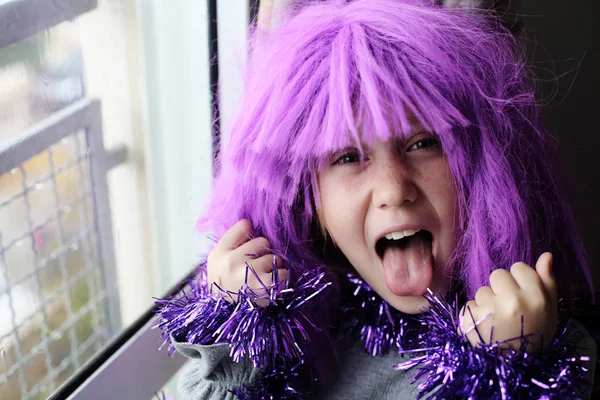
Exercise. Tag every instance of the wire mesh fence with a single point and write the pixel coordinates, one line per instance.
(55, 300)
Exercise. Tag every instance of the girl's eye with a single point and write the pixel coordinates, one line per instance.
(348, 158)
(424, 143)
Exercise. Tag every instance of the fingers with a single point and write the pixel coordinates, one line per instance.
(520, 277)
(519, 302)
(484, 296)
(221, 256)
(526, 277)
(254, 248)
(256, 252)
(238, 234)
(468, 314)
(544, 271)
(263, 265)
(227, 263)
(523, 277)
(502, 282)
(263, 272)
(473, 320)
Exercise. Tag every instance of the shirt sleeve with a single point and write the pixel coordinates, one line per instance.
(210, 374)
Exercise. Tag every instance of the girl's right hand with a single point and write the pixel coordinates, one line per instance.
(226, 263)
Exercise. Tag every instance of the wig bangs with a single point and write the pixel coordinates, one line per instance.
(352, 76)
(344, 74)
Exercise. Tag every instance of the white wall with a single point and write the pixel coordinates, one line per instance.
(179, 138)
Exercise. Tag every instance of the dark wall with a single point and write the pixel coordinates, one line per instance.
(564, 48)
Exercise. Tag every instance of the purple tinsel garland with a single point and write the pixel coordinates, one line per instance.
(278, 330)
(379, 326)
(273, 336)
(275, 384)
(446, 364)
(450, 367)
(192, 315)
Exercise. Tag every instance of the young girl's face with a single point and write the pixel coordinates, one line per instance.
(402, 186)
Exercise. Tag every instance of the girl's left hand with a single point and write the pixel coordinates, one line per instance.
(523, 292)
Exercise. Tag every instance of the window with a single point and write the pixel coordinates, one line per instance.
(105, 161)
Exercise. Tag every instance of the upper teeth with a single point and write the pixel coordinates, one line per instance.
(401, 234)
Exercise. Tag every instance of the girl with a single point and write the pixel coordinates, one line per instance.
(386, 151)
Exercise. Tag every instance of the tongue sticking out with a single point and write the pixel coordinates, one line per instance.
(408, 267)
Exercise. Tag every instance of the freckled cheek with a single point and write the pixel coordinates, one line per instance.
(340, 207)
(447, 210)
(437, 182)
(334, 188)
(331, 196)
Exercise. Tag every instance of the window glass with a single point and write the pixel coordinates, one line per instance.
(61, 297)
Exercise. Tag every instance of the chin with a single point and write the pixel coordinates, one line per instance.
(414, 304)
(408, 304)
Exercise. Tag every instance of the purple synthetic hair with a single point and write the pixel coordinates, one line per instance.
(340, 73)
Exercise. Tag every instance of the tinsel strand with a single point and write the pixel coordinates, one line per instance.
(273, 335)
(450, 367)
(379, 326)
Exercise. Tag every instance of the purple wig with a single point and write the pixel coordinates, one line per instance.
(333, 67)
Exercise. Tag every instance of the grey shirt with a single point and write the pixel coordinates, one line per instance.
(210, 374)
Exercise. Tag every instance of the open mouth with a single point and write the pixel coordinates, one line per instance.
(384, 243)
(407, 261)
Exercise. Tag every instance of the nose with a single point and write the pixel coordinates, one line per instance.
(393, 185)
